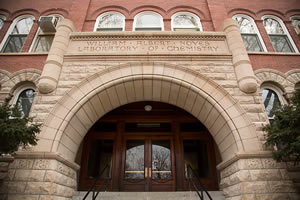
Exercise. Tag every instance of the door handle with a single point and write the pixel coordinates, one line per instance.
(146, 172)
(150, 172)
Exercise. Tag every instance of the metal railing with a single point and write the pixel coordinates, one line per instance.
(201, 191)
(93, 188)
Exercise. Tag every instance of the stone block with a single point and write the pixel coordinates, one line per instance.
(281, 186)
(270, 163)
(233, 190)
(36, 175)
(23, 197)
(41, 188)
(274, 196)
(256, 187)
(265, 174)
(22, 175)
(16, 187)
(22, 164)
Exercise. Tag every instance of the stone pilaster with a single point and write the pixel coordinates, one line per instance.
(52, 68)
(256, 177)
(243, 69)
(39, 176)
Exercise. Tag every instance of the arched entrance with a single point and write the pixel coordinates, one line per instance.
(147, 147)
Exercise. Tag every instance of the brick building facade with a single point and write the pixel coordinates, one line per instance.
(217, 63)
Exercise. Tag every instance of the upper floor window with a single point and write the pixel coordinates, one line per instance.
(111, 21)
(148, 21)
(17, 34)
(278, 34)
(273, 99)
(184, 21)
(43, 40)
(296, 23)
(250, 34)
(2, 19)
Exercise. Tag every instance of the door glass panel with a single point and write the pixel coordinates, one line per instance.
(134, 168)
(161, 159)
(100, 156)
(195, 155)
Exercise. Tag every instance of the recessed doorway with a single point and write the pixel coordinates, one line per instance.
(146, 146)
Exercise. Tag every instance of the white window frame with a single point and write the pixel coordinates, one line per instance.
(255, 29)
(3, 18)
(19, 90)
(38, 32)
(107, 13)
(11, 28)
(286, 32)
(185, 13)
(148, 12)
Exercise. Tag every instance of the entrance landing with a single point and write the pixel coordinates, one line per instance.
(216, 195)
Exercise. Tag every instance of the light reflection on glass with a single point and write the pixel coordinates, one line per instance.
(134, 168)
(161, 160)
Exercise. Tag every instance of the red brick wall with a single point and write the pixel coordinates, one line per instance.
(211, 12)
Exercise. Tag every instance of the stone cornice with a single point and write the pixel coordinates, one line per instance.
(46, 155)
(244, 155)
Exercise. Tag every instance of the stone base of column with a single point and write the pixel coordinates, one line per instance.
(39, 177)
(256, 177)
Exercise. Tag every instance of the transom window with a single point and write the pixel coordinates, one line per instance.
(278, 34)
(17, 34)
(250, 33)
(43, 40)
(148, 21)
(184, 21)
(111, 21)
(296, 23)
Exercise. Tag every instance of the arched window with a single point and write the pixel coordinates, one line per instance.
(24, 100)
(110, 21)
(148, 21)
(43, 40)
(250, 34)
(184, 21)
(2, 19)
(297, 86)
(273, 99)
(17, 34)
(278, 34)
(296, 23)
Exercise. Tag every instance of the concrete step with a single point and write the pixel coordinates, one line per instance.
(216, 195)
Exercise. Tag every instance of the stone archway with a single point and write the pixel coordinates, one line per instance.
(80, 108)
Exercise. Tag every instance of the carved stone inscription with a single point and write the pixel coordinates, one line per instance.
(145, 47)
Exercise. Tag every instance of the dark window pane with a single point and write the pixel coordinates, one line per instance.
(43, 43)
(147, 127)
(100, 156)
(1, 23)
(14, 43)
(251, 42)
(105, 127)
(196, 155)
(192, 127)
(25, 100)
(281, 43)
(134, 168)
(161, 160)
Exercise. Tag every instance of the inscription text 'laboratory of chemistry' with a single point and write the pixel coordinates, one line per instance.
(147, 46)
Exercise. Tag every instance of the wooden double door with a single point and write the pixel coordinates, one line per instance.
(148, 163)
(147, 151)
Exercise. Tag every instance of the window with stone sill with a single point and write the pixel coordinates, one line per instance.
(250, 34)
(184, 21)
(111, 21)
(17, 34)
(273, 100)
(148, 21)
(278, 34)
(43, 41)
